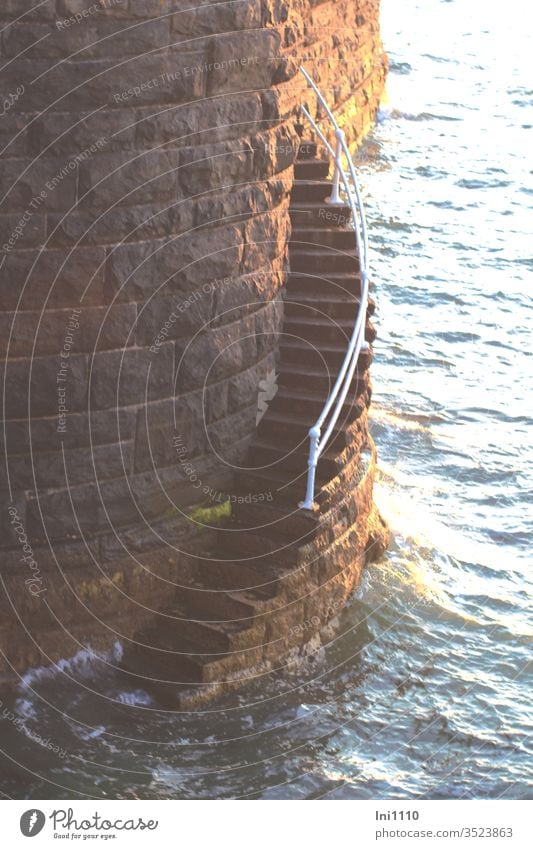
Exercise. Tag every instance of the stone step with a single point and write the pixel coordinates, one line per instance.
(176, 624)
(342, 238)
(310, 404)
(264, 573)
(310, 191)
(326, 283)
(311, 260)
(176, 661)
(152, 663)
(293, 436)
(291, 491)
(291, 433)
(268, 455)
(308, 149)
(319, 330)
(288, 568)
(323, 331)
(329, 358)
(298, 417)
(287, 523)
(324, 525)
(317, 214)
(311, 169)
(262, 552)
(301, 305)
(217, 605)
(317, 379)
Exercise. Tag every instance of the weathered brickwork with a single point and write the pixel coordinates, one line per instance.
(146, 165)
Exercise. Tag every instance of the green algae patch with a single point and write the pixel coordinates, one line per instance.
(209, 516)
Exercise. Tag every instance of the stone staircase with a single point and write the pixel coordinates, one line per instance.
(276, 575)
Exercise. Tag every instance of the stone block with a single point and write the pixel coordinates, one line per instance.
(64, 468)
(124, 378)
(66, 134)
(31, 9)
(22, 230)
(202, 122)
(110, 179)
(64, 514)
(94, 427)
(245, 294)
(218, 17)
(140, 498)
(37, 333)
(120, 224)
(215, 402)
(169, 431)
(94, 37)
(59, 278)
(40, 386)
(169, 318)
(266, 238)
(206, 168)
(275, 151)
(245, 64)
(213, 355)
(186, 264)
(150, 8)
(14, 136)
(224, 433)
(89, 84)
(236, 205)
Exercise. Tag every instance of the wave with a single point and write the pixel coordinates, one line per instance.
(406, 420)
(390, 113)
(400, 67)
(84, 664)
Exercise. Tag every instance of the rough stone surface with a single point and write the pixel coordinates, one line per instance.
(147, 162)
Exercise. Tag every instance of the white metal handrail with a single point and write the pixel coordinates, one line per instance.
(357, 343)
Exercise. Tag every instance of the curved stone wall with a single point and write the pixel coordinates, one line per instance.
(147, 154)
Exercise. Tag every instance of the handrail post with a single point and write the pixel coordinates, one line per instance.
(309, 503)
(335, 196)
